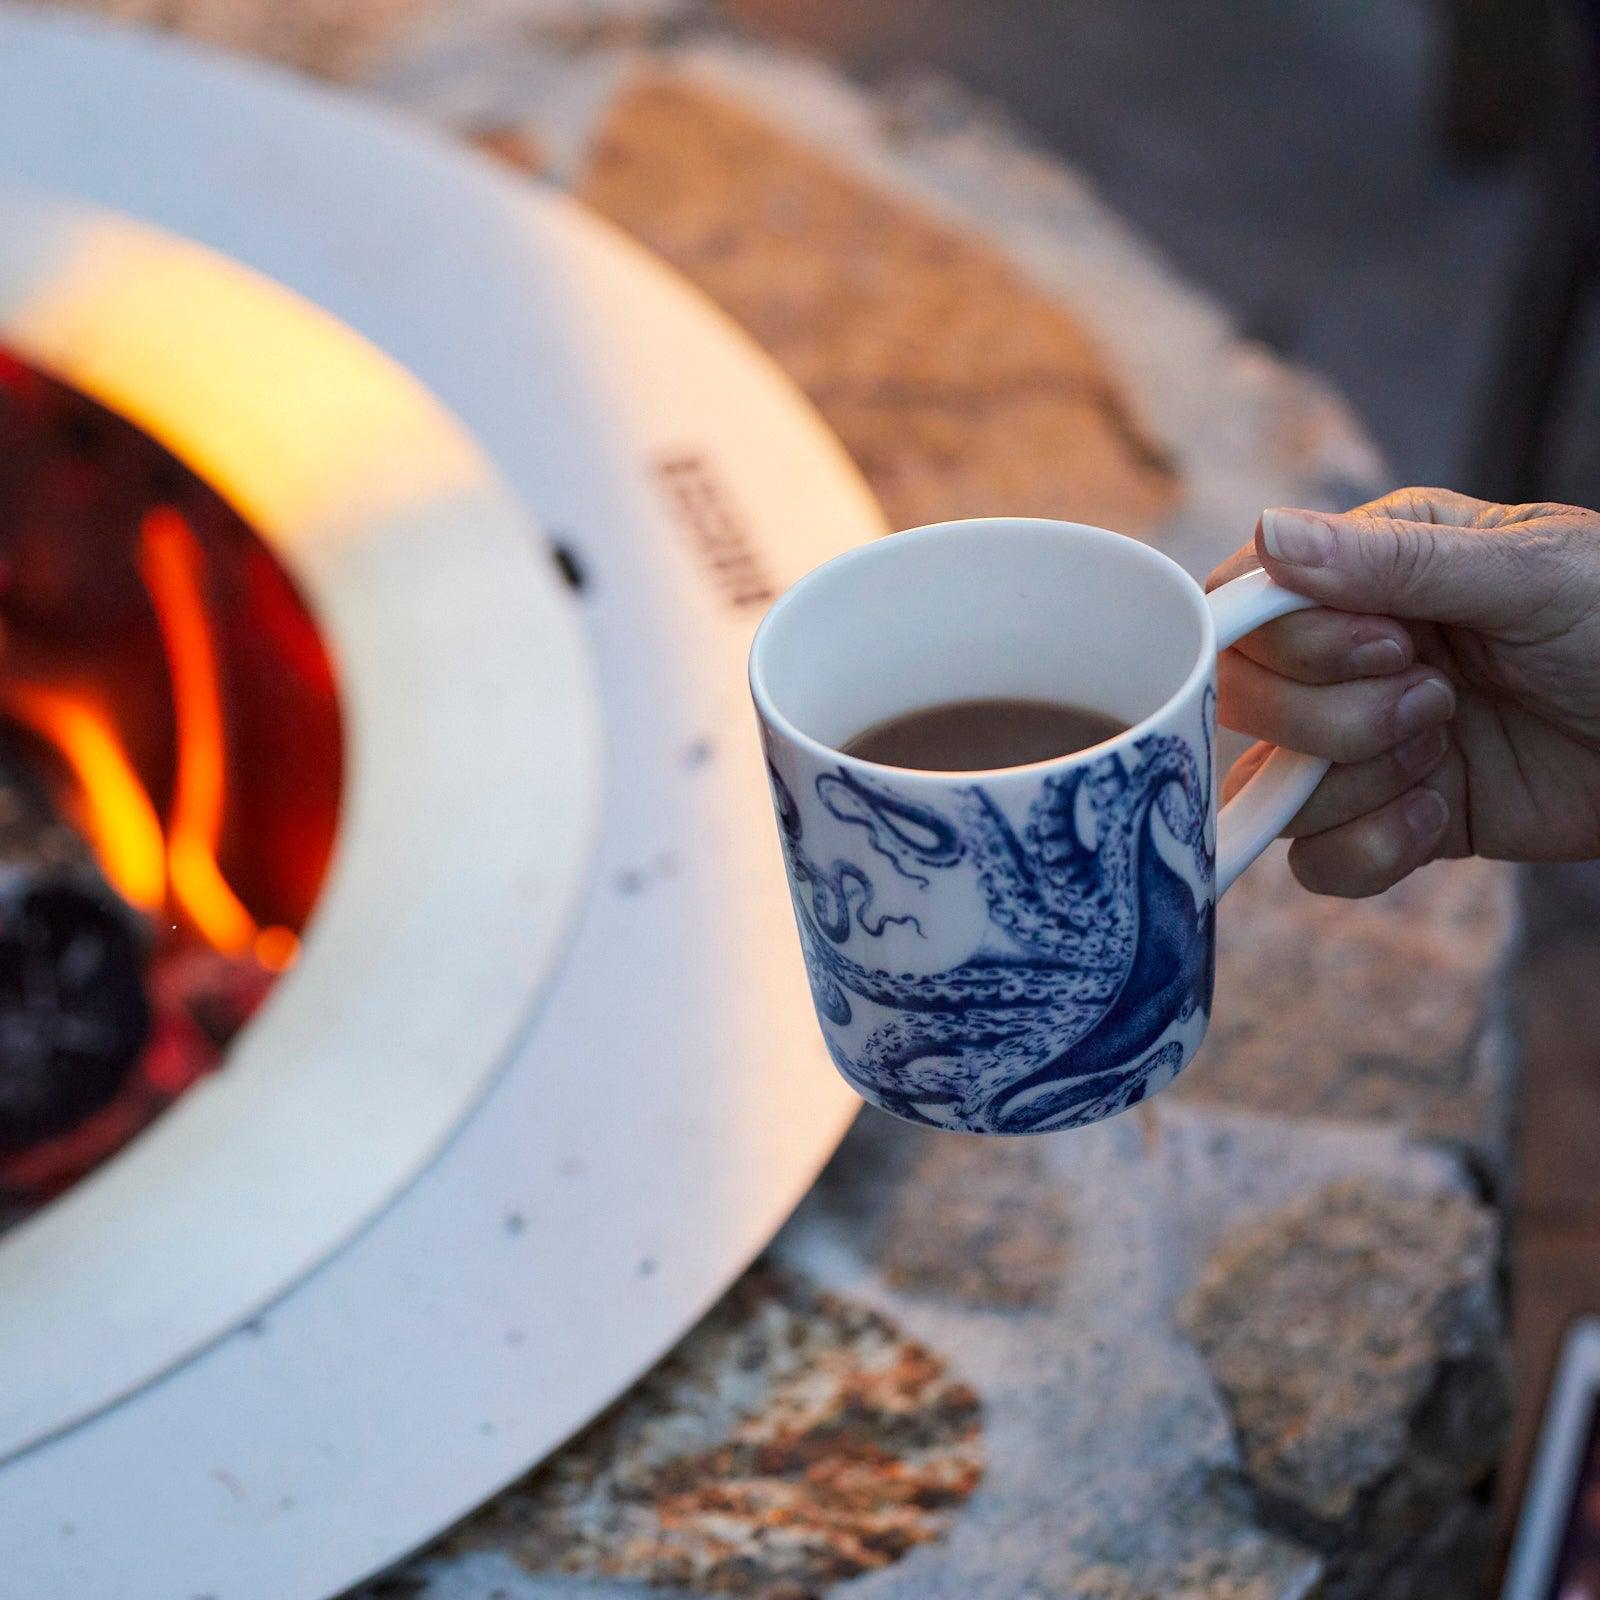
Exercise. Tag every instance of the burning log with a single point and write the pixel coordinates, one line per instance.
(74, 1012)
(170, 801)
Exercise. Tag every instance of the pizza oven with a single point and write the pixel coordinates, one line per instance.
(398, 1040)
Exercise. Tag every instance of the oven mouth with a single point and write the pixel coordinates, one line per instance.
(171, 769)
(468, 817)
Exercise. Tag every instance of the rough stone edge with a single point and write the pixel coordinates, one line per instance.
(1237, 418)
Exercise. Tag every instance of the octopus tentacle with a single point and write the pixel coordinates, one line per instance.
(1090, 1099)
(1046, 899)
(1042, 1033)
(833, 904)
(897, 829)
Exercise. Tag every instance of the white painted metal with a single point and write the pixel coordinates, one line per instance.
(670, 1100)
(463, 849)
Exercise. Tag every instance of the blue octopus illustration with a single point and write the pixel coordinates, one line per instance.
(1097, 944)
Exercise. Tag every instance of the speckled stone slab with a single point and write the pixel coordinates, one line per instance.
(1244, 1343)
(332, 38)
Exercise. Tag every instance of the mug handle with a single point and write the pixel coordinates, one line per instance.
(1267, 803)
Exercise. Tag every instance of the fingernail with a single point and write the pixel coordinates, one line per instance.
(1426, 814)
(1298, 537)
(1423, 753)
(1378, 658)
(1424, 705)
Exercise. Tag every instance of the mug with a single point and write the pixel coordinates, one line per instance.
(1027, 948)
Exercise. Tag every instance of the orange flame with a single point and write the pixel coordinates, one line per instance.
(170, 562)
(277, 949)
(143, 862)
(118, 817)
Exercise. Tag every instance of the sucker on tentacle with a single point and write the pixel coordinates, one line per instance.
(1024, 1036)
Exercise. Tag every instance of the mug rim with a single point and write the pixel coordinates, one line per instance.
(956, 529)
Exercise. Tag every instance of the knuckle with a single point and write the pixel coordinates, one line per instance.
(1244, 769)
(1241, 561)
(1250, 698)
(1413, 552)
(1356, 734)
(1381, 852)
(1312, 645)
(1327, 807)
(1320, 870)
(1365, 858)
(1233, 678)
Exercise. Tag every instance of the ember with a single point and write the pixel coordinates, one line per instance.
(172, 708)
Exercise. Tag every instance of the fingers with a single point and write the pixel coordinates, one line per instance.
(1346, 722)
(1243, 560)
(1323, 646)
(1373, 852)
(1438, 507)
(1443, 508)
(1368, 563)
(1368, 825)
(1319, 646)
(1349, 792)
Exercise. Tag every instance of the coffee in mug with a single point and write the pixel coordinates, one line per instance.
(971, 735)
(1017, 946)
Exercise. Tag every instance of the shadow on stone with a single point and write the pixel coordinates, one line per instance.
(965, 1219)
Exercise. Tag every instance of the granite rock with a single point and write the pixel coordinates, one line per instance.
(1356, 1336)
(339, 39)
(793, 1440)
(1391, 1010)
(973, 1221)
(958, 387)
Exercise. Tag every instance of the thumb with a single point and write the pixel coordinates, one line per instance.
(1357, 562)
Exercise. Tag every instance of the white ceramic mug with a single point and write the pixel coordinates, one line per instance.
(1027, 948)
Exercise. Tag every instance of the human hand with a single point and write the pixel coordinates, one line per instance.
(1452, 675)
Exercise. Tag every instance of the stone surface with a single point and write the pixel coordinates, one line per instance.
(1108, 1460)
(795, 1439)
(1391, 1009)
(1203, 130)
(1234, 428)
(923, 348)
(512, 143)
(1239, 428)
(974, 1221)
(331, 38)
(1356, 1338)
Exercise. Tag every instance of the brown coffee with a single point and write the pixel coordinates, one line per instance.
(972, 735)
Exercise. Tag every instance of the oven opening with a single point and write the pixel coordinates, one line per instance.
(170, 773)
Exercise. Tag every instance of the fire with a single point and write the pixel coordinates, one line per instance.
(118, 816)
(276, 949)
(170, 564)
(146, 863)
